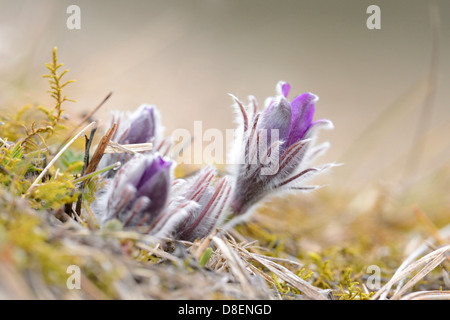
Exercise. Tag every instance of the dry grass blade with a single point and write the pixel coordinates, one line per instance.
(428, 295)
(431, 227)
(114, 147)
(440, 256)
(236, 266)
(283, 273)
(35, 183)
(198, 250)
(443, 233)
(282, 260)
(289, 277)
(160, 253)
(85, 119)
(429, 262)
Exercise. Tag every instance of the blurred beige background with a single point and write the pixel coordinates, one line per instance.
(185, 56)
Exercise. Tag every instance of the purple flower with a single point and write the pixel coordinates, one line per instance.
(141, 126)
(275, 147)
(273, 152)
(138, 193)
(143, 195)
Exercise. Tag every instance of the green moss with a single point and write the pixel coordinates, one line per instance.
(28, 243)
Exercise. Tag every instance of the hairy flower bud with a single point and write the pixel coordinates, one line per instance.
(138, 127)
(211, 200)
(281, 161)
(138, 193)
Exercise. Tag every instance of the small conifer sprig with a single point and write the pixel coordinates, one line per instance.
(56, 83)
(27, 166)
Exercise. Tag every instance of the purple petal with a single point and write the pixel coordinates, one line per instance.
(283, 88)
(140, 189)
(303, 107)
(142, 127)
(157, 190)
(153, 168)
(277, 116)
(154, 184)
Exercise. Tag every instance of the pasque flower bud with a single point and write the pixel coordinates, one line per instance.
(141, 126)
(138, 193)
(280, 138)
